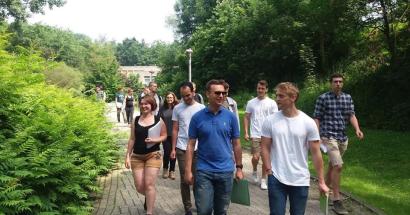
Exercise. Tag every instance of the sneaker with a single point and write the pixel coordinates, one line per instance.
(339, 208)
(255, 177)
(172, 175)
(165, 173)
(263, 184)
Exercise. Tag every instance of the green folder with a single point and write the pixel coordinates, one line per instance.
(324, 203)
(240, 192)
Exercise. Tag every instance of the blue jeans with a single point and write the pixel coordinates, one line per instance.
(212, 192)
(278, 194)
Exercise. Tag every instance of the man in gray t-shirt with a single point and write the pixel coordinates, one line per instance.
(181, 117)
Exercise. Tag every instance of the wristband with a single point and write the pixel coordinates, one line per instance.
(240, 166)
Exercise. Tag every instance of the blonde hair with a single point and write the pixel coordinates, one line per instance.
(289, 88)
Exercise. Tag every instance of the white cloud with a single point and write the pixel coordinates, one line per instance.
(113, 19)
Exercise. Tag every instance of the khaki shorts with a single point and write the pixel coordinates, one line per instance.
(140, 161)
(335, 150)
(256, 145)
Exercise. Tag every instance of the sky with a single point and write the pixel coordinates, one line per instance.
(113, 19)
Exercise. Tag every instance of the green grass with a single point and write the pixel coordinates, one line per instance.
(377, 170)
(244, 143)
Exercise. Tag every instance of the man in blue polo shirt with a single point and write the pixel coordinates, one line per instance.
(217, 132)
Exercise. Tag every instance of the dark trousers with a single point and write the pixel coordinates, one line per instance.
(167, 144)
(119, 112)
(129, 111)
(185, 188)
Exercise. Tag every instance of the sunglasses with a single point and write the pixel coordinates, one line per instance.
(218, 93)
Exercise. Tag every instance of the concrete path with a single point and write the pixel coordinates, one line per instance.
(120, 197)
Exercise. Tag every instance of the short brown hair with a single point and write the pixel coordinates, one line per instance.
(336, 75)
(215, 82)
(263, 83)
(150, 100)
(290, 89)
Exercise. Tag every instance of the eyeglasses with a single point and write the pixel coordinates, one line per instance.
(218, 93)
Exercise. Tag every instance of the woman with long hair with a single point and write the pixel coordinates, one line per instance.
(165, 112)
(143, 152)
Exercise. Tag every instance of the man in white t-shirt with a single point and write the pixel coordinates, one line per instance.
(181, 117)
(287, 136)
(256, 111)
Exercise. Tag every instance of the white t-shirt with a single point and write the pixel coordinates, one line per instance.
(289, 150)
(259, 109)
(182, 114)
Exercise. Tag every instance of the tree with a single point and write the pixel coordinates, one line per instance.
(20, 10)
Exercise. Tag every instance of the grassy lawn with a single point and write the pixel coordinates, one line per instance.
(376, 169)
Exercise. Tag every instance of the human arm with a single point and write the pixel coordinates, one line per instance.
(246, 119)
(355, 124)
(189, 153)
(318, 164)
(161, 138)
(266, 144)
(130, 147)
(175, 129)
(237, 151)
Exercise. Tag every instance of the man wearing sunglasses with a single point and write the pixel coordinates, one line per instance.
(217, 132)
(257, 109)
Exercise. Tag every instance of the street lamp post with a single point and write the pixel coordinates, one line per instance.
(189, 51)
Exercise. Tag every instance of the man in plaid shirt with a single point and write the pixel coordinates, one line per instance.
(333, 111)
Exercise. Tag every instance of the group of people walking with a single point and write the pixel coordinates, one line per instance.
(205, 140)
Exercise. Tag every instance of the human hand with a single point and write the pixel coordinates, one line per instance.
(359, 134)
(323, 188)
(149, 140)
(247, 137)
(239, 173)
(189, 178)
(173, 154)
(127, 161)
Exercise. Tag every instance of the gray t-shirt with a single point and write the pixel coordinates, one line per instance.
(182, 114)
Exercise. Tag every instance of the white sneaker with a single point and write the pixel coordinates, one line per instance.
(255, 177)
(263, 184)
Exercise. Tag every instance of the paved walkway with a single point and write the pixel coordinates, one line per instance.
(120, 197)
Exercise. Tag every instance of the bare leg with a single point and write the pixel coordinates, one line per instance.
(328, 178)
(151, 174)
(336, 173)
(255, 161)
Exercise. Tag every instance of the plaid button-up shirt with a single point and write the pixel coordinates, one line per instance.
(333, 113)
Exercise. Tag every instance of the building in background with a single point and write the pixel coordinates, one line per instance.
(146, 73)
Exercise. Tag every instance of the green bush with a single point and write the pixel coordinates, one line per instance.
(52, 145)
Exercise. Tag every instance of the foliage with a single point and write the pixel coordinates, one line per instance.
(243, 41)
(95, 60)
(20, 10)
(133, 82)
(376, 177)
(134, 53)
(53, 146)
(65, 77)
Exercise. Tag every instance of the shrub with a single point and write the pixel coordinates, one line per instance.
(52, 145)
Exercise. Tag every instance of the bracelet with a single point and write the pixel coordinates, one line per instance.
(240, 166)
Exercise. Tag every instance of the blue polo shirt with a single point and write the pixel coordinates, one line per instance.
(215, 133)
